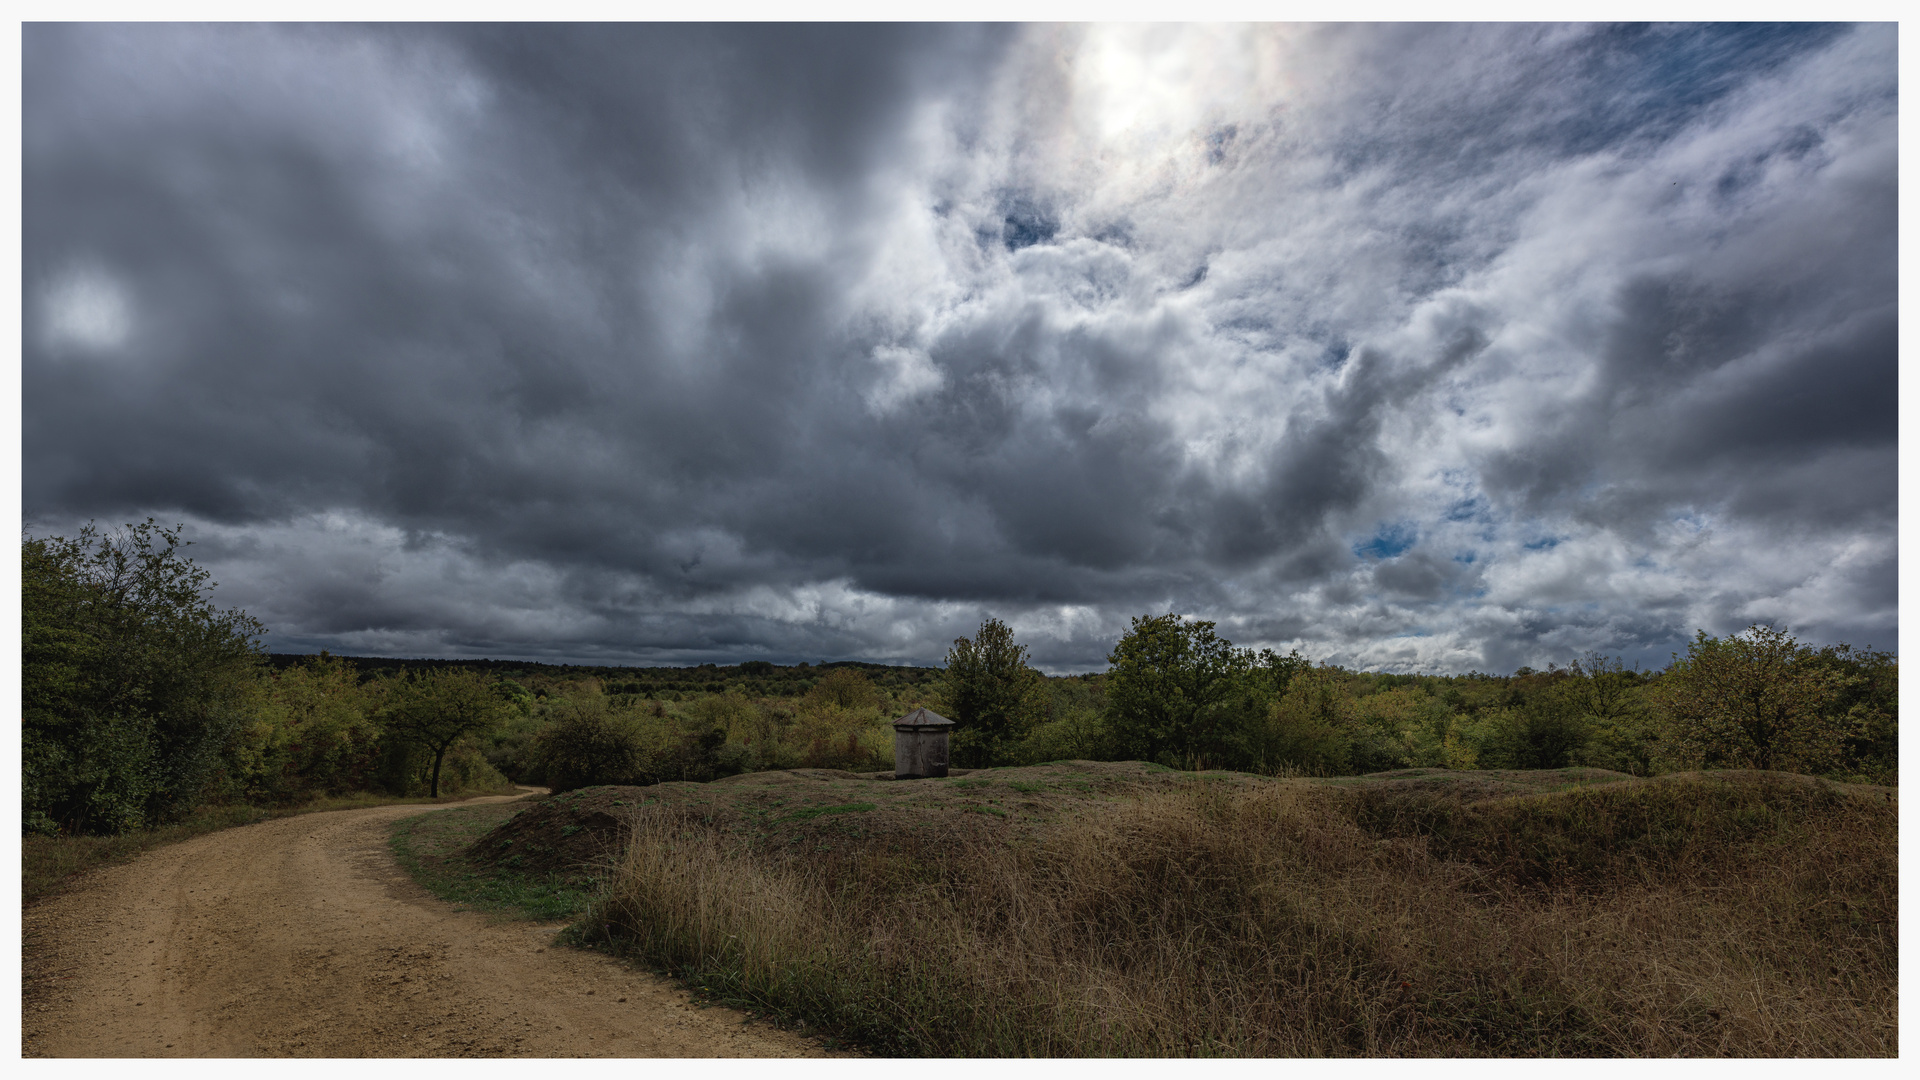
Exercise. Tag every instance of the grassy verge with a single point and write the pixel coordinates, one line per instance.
(1415, 915)
(48, 864)
(432, 849)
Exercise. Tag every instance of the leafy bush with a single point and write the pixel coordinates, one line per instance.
(314, 733)
(1076, 735)
(1310, 729)
(584, 744)
(1758, 699)
(995, 697)
(1532, 736)
(133, 685)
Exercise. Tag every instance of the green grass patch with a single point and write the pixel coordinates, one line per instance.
(822, 811)
(432, 849)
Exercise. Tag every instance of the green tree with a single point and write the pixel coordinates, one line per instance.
(1280, 671)
(995, 697)
(1610, 697)
(585, 743)
(133, 685)
(1867, 701)
(315, 730)
(845, 688)
(1757, 699)
(1310, 727)
(436, 708)
(1171, 689)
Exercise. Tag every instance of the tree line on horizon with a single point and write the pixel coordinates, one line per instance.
(142, 701)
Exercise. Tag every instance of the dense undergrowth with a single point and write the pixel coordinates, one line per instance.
(1705, 914)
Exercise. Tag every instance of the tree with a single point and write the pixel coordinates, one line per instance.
(995, 697)
(133, 685)
(436, 708)
(315, 730)
(1868, 697)
(1280, 671)
(1171, 687)
(1609, 697)
(845, 688)
(1309, 728)
(585, 744)
(1757, 699)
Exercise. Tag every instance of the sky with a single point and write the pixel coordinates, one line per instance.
(1412, 347)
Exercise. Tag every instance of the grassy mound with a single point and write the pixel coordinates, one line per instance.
(1081, 908)
(433, 849)
(807, 812)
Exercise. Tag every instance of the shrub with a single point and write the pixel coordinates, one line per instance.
(1536, 735)
(585, 744)
(1077, 735)
(313, 733)
(996, 698)
(1758, 699)
(1310, 729)
(844, 688)
(133, 685)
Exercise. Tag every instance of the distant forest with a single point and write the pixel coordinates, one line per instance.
(758, 678)
(142, 702)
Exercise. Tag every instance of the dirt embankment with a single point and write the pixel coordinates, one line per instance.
(301, 938)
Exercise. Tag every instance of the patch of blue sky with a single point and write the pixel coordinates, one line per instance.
(1333, 354)
(1026, 224)
(1661, 77)
(1545, 543)
(1388, 541)
(1626, 83)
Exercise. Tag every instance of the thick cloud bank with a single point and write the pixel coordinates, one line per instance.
(1416, 347)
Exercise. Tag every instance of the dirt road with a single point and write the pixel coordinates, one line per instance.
(303, 938)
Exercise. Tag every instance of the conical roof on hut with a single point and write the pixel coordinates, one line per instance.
(922, 718)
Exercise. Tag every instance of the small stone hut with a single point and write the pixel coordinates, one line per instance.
(920, 745)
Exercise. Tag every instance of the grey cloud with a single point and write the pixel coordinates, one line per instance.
(561, 341)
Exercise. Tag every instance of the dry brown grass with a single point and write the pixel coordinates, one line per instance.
(1702, 915)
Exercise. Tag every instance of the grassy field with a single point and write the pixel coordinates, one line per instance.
(50, 864)
(1084, 908)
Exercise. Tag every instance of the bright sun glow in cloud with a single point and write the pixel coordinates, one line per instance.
(85, 309)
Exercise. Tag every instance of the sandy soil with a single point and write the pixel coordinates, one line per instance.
(303, 938)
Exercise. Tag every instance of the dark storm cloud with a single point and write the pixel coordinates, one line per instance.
(681, 342)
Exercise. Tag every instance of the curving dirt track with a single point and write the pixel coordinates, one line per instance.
(302, 938)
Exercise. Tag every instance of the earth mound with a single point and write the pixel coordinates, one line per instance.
(562, 834)
(798, 812)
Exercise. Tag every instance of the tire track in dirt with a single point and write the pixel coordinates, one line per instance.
(302, 937)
